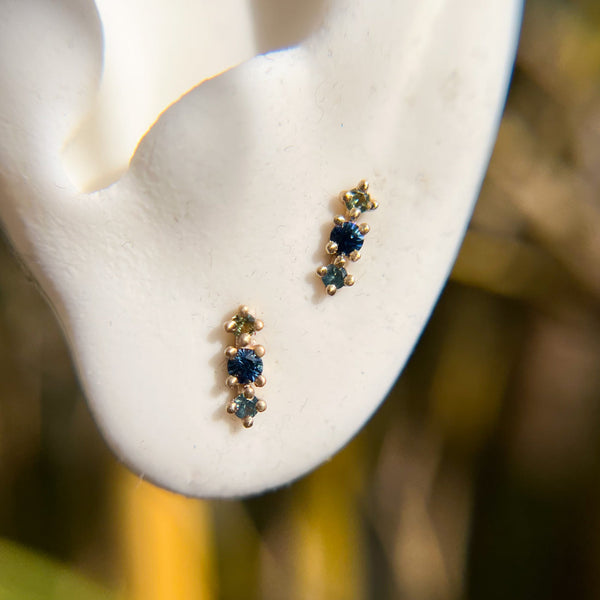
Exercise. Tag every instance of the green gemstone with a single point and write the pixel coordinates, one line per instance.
(244, 324)
(357, 198)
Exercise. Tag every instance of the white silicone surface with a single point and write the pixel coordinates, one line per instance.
(229, 199)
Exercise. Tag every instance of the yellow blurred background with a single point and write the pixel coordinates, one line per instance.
(477, 479)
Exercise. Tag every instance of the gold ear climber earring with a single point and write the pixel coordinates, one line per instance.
(346, 238)
(245, 366)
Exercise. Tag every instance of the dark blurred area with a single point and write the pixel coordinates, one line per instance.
(477, 479)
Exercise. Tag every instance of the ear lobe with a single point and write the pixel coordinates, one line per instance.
(228, 201)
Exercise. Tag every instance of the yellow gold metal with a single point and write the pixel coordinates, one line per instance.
(363, 185)
(339, 261)
(374, 204)
(354, 213)
(364, 228)
(261, 405)
(231, 407)
(354, 255)
(349, 280)
(331, 248)
(230, 351)
(231, 381)
(259, 351)
(258, 325)
(345, 196)
(339, 220)
(247, 422)
(248, 392)
(331, 290)
(322, 271)
(244, 310)
(244, 339)
(229, 326)
(260, 381)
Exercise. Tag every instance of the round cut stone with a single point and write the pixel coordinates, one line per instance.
(245, 407)
(360, 199)
(244, 324)
(348, 237)
(335, 276)
(245, 365)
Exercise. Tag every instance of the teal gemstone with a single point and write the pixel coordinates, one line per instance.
(357, 198)
(245, 407)
(335, 276)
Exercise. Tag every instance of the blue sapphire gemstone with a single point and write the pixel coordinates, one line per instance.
(348, 237)
(245, 365)
(334, 276)
(245, 407)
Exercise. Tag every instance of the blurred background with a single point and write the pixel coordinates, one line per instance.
(477, 479)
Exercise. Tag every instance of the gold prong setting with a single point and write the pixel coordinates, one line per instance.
(245, 366)
(339, 261)
(347, 237)
(331, 248)
(244, 339)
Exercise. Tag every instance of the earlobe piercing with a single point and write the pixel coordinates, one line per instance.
(245, 366)
(346, 238)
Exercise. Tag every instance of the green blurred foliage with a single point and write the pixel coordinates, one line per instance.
(25, 575)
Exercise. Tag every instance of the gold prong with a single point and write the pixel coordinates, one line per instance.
(354, 213)
(339, 261)
(363, 185)
(231, 407)
(344, 196)
(244, 339)
(244, 310)
(354, 255)
(248, 392)
(331, 248)
(231, 381)
(260, 381)
(349, 280)
(331, 289)
(258, 325)
(374, 204)
(322, 271)
(364, 228)
(261, 405)
(259, 351)
(230, 352)
(339, 220)
(230, 326)
(247, 422)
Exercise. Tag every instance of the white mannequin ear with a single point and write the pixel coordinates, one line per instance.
(155, 52)
(228, 200)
